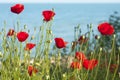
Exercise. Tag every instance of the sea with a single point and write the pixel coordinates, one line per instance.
(67, 17)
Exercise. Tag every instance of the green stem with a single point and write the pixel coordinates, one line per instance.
(96, 71)
(111, 54)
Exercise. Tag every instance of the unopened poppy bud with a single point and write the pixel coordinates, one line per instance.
(64, 75)
(31, 61)
(28, 31)
(19, 63)
(16, 49)
(25, 26)
(114, 36)
(53, 9)
(16, 69)
(91, 52)
(97, 37)
(25, 55)
(15, 33)
(49, 41)
(90, 26)
(83, 37)
(47, 77)
(7, 48)
(49, 31)
(37, 64)
(100, 49)
(32, 37)
(4, 38)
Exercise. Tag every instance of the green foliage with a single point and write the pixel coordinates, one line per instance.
(114, 19)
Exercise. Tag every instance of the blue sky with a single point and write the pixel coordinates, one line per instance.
(62, 1)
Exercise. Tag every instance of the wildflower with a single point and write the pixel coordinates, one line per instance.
(31, 61)
(82, 39)
(29, 46)
(80, 56)
(90, 64)
(17, 8)
(48, 15)
(47, 77)
(114, 36)
(64, 75)
(101, 48)
(22, 36)
(32, 70)
(10, 32)
(105, 28)
(75, 65)
(60, 43)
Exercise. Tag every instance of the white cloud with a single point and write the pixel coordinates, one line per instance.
(60, 1)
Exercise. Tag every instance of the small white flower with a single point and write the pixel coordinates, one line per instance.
(100, 49)
(98, 37)
(64, 75)
(114, 35)
(91, 53)
(47, 77)
(31, 61)
(83, 37)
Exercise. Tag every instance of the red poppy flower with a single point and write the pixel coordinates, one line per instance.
(29, 46)
(60, 43)
(90, 64)
(10, 32)
(82, 40)
(105, 28)
(22, 36)
(17, 8)
(80, 56)
(31, 70)
(75, 65)
(48, 15)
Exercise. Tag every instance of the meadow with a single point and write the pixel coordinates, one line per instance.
(90, 58)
